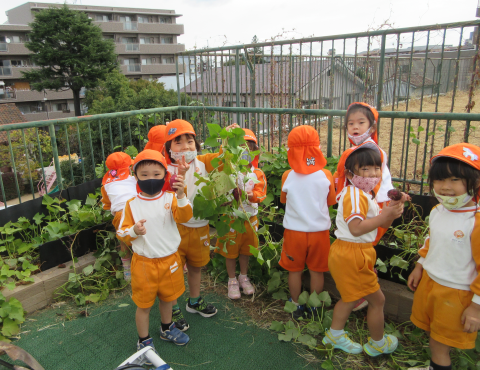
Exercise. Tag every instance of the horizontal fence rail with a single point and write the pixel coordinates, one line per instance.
(429, 68)
(38, 157)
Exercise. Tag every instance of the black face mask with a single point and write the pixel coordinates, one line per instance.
(151, 186)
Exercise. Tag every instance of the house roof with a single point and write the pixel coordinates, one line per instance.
(9, 113)
(270, 78)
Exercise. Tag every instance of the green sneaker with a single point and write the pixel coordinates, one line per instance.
(391, 344)
(201, 307)
(180, 322)
(342, 342)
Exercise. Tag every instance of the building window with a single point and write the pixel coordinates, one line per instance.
(168, 60)
(103, 18)
(129, 40)
(166, 40)
(165, 20)
(147, 40)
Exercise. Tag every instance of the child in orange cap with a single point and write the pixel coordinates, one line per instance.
(181, 153)
(361, 126)
(118, 186)
(352, 257)
(156, 138)
(308, 191)
(255, 189)
(149, 222)
(445, 280)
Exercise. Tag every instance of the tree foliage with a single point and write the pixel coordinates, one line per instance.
(70, 52)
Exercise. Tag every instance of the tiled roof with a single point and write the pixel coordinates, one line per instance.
(9, 113)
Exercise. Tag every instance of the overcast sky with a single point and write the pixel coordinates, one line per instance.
(217, 22)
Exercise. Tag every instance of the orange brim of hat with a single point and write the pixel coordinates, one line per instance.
(306, 159)
(116, 175)
(155, 146)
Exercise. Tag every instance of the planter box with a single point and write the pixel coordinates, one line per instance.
(39, 294)
(56, 252)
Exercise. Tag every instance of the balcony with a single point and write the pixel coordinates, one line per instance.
(40, 116)
(31, 95)
(131, 68)
(16, 48)
(120, 27)
(132, 47)
(3, 46)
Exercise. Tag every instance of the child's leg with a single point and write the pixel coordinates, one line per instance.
(440, 353)
(341, 312)
(142, 320)
(127, 256)
(231, 267)
(168, 330)
(295, 284)
(375, 318)
(165, 312)
(194, 276)
(316, 282)
(243, 260)
(243, 279)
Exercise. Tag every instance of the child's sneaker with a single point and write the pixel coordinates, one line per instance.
(362, 303)
(299, 313)
(201, 307)
(233, 289)
(246, 285)
(146, 343)
(391, 344)
(127, 274)
(179, 320)
(174, 335)
(312, 313)
(342, 342)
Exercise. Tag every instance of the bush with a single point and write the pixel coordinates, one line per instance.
(9, 186)
(77, 173)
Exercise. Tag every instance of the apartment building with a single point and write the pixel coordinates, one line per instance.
(146, 44)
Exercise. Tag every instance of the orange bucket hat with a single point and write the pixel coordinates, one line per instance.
(118, 164)
(341, 179)
(304, 154)
(156, 138)
(465, 152)
(375, 116)
(176, 128)
(250, 136)
(153, 155)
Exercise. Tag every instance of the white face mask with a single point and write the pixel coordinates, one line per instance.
(189, 155)
(357, 140)
(453, 202)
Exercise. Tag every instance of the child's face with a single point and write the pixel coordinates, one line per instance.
(150, 171)
(186, 143)
(366, 171)
(452, 187)
(358, 124)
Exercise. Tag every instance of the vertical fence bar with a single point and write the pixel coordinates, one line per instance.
(81, 153)
(51, 129)
(69, 157)
(41, 158)
(119, 121)
(179, 98)
(28, 163)
(381, 68)
(237, 81)
(14, 167)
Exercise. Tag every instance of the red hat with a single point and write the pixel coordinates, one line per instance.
(375, 117)
(176, 128)
(156, 138)
(341, 176)
(118, 164)
(304, 154)
(153, 155)
(250, 136)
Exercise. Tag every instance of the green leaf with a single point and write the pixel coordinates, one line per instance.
(280, 295)
(308, 340)
(416, 141)
(420, 129)
(325, 298)
(10, 327)
(295, 332)
(80, 299)
(94, 297)
(285, 337)
(123, 305)
(381, 266)
(303, 298)
(313, 300)
(88, 270)
(268, 199)
(38, 218)
(290, 307)
(328, 365)
(398, 261)
(214, 129)
(327, 319)
(118, 275)
(212, 142)
(222, 227)
(276, 326)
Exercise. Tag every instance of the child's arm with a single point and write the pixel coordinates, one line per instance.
(471, 315)
(416, 275)
(332, 195)
(129, 229)
(355, 213)
(181, 209)
(283, 195)
(105, 199)
(259, 191)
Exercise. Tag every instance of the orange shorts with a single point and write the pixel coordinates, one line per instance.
(438, 309)
(301, 247)
(156, 277)
(352, 268)
(116, 224)
(194, 247)
(242, 241)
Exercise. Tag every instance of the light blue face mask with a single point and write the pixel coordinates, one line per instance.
(246, 156)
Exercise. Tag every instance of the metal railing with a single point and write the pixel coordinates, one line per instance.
(130, 26)
(410, 69)
(5, 71)
(134, 67)
(408, 138)
(132, 47)
(3, 46)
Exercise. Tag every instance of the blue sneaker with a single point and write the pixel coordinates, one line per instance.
(391, 344)
(299, 313)
(146, 343)
(342, 342)
(174, 335)
(312, 313)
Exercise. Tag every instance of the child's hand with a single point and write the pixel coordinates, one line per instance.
(139, 229)
(183, 166)
(232, 126)
(249, 195)
(179, 187)
(393, 210)
(471, 318)
(415, 277)
(405, 198)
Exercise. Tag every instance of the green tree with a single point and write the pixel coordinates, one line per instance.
(70, 52)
